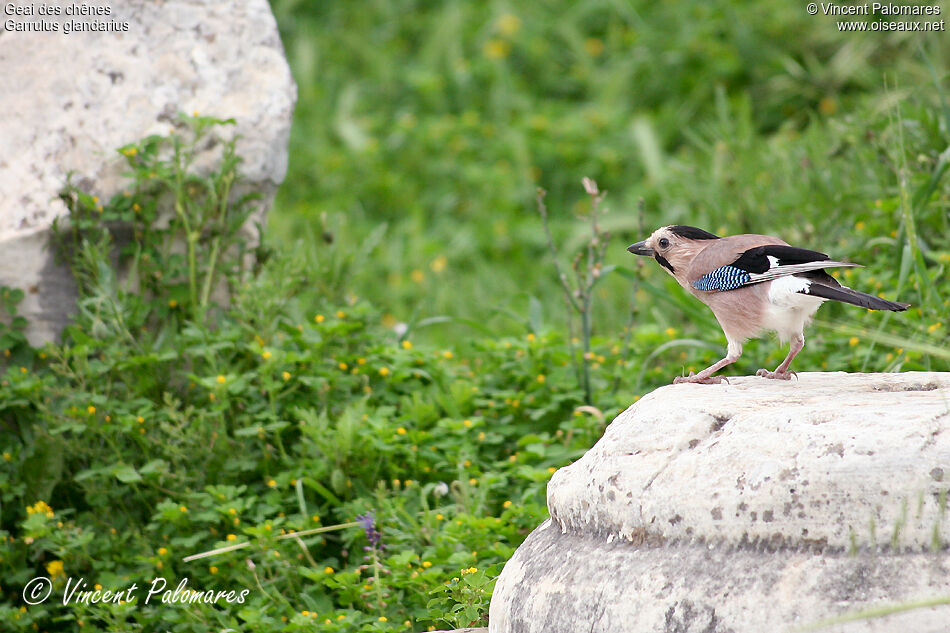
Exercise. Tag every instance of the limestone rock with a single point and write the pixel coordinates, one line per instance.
(68, 101)
(754, 506)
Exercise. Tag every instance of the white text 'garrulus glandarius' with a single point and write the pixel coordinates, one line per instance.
(753, 284)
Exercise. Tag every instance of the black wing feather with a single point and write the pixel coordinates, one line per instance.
(756, 260)
(854, 297)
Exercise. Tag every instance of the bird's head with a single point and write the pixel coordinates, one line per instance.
(673, 247)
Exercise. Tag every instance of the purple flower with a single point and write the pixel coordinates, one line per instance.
(368, 523)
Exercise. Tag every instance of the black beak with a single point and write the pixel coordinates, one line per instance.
(640, 249)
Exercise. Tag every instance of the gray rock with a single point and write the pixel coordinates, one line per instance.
(68, 101)
(754, 506)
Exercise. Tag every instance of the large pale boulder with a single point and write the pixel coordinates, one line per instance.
(67, 101)
(747, 507)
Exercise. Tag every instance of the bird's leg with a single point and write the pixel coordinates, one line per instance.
(706, 376)
(781, 372)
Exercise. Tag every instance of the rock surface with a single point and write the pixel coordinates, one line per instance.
(68, 101)
(754, 506)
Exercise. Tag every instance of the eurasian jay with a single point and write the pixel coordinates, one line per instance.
(752, 284)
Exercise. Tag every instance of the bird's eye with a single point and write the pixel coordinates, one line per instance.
(663, 243)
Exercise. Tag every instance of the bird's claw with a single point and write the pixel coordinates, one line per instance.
(693, 378)
(777, 375)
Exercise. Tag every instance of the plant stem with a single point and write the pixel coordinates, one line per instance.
(565, 286)
(376, 583)
(216, 243)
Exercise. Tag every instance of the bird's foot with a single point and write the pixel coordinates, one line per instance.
(776, 375)
(707, 380)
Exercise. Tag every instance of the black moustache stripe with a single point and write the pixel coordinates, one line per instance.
(662, 261)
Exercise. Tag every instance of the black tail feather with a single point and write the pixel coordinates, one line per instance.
(847, 295)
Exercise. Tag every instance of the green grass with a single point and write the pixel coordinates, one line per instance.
(430, 125)
(400, 345)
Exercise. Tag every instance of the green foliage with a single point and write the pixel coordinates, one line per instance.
(199, 212)
(166, 425)
(12, 327)
(465, 599)
(742, 117)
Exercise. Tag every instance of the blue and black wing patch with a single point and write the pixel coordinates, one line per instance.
(725, 278)
(765, 263)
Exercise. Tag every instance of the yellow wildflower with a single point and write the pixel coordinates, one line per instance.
(439, 264)
(496, 49)
(40, 507)
(508, 24)
(594, 46)
(828, 105)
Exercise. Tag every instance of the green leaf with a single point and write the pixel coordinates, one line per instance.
(44, 468)
(154, 466)
(126, 474)
(535, 314)
(338, 481)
